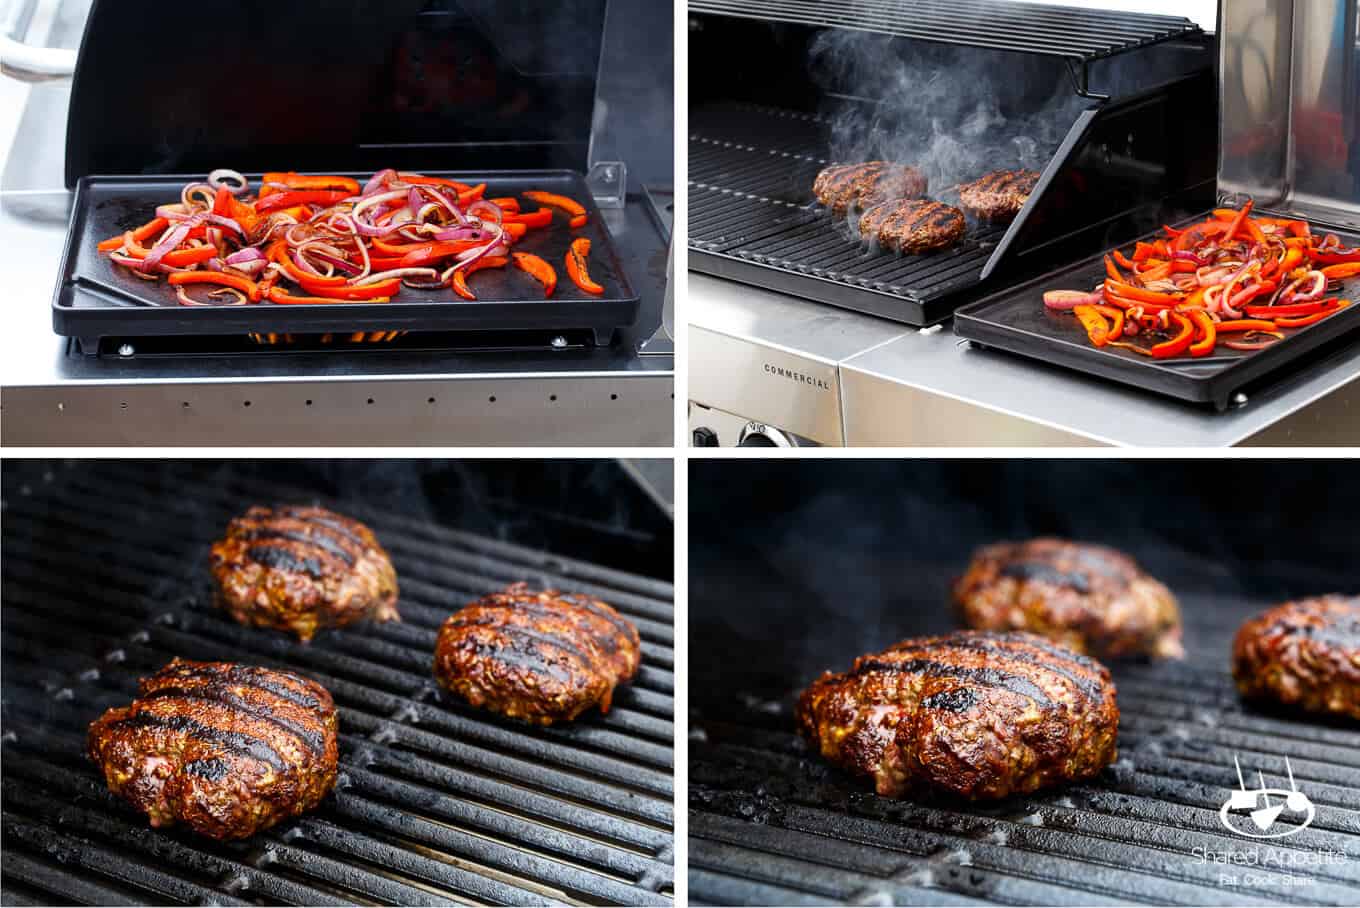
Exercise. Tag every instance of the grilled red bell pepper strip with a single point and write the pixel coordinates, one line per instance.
(1097, 329)
(383, 288)
(468, 196)
(1244, 324)
(508, 204)
(278, 253)
(236, 281)
(322, 197)
(1342, 271)
(460, 286)
(175, 258)
(515, 231)
(540, 218)
(1236, 224)
(544, 273)
(1128, 291)
(1315, 317)
(279, 295)
(569, 205)
(1289, 310)
(433, 252)
(1178, 344)
(577, 266)
(294, 180)
(1206, 336)
(151, 228)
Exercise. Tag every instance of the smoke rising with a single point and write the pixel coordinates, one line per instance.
(955, 113)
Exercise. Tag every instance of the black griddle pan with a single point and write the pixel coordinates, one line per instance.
(97, 298)
(1016, 320)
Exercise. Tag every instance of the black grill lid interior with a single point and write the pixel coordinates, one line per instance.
(334, 85)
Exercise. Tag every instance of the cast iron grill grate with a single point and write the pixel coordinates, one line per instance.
(1078, 36)
(751, 171)
(771, 823)
(436, 802)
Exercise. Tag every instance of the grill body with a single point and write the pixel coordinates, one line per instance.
(105, 581)
(958, 90)
(861, 560)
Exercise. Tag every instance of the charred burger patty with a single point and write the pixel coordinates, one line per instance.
(225, 749)
(999, 195)
(1304, 653)
(300, 569)
(843, 186)
(1087, 597)
(539, 656)
(976, 715)
(913, 226)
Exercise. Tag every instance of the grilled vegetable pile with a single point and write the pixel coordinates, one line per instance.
(325, 239)
(1232, 280)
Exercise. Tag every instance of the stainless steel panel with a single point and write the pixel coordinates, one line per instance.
(1290, 95)
(767, 384)
(508, 410)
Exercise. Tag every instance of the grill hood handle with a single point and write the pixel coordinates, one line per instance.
(35, 64)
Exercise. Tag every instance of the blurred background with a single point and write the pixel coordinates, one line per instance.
(797, 566)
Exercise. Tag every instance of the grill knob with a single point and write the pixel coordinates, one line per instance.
(759, 435)
(704, 437)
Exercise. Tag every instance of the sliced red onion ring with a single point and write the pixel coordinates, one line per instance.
(248, 254)
(460, 233)
(493, 212)
(377, 276)
(236, 183)
(377, 181)
(169, 240)
(338, 263)
(1319, 287)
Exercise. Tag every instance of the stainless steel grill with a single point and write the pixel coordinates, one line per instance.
(771, 823)
(104, 582)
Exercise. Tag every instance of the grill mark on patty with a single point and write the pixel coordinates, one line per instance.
(1332, 633)
(1033, 569)
(323, 520)
(234, 741)
(243, 674)
(553, 638)
(987, 677)
(314, 740)
(534, 607)
(1090, 685)
(504, 649)
(596, 609)
(954, 700)
(214, 770)
(284, 559)
(321, 541)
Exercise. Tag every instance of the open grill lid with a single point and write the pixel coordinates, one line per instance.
(338, 85)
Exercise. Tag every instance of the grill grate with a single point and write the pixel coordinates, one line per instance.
(771, 823)
(1078, 36)
(436, 801)
(751, 170)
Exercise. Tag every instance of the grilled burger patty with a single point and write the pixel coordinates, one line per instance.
(913, 226)
(1305, 653)
(973, 714)
(1087, 597)
(539, 656)
(302, 568)
(841, 186)
(999, 195)
(226, 749)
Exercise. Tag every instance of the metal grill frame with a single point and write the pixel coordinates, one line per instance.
(436, 802)
(772, 823)
(752, 218)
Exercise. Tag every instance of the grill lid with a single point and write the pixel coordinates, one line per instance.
(339, 85)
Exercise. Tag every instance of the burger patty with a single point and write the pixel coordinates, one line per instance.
(225, 749)
(972, 714)
(1304, 653)
(999, 195)
(913, 226)
(1087, 597)
(842, 186)
(300, 569)
(539, 656)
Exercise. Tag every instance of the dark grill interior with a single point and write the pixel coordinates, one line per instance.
(751, 169)
(105, 581)
(862, 560)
